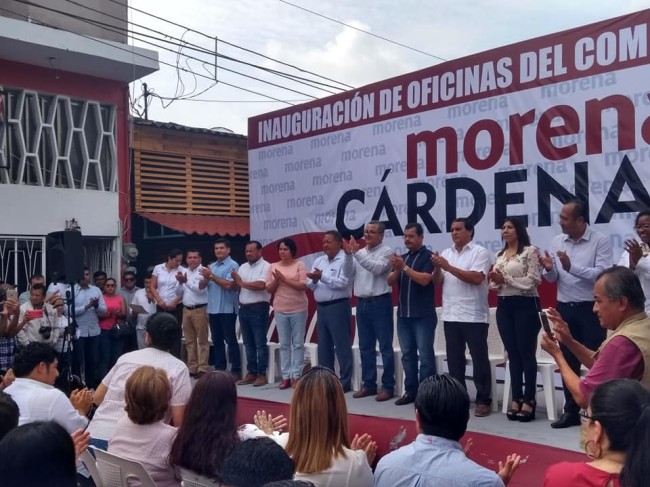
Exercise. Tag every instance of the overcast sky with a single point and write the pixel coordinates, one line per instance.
(447, 30)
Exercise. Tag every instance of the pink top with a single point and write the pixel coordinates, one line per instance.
(568, 474)
(286, 299)
(113, 305)
(620, 359)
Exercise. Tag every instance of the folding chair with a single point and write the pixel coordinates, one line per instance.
(89, 462)
(191, 479)
(115, 471)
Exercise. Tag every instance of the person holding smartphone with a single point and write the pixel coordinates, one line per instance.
(38, 320)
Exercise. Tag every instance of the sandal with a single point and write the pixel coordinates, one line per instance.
(512, 413)
(524, 416)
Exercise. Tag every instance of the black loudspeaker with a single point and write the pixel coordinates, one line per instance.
(65, 256)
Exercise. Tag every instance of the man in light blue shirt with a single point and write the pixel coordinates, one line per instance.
(331, 280)
(436, 458)
(222, 308)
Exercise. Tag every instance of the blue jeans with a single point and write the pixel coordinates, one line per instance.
(252, 320)
(416, 335)
(110, 349)
(333, 328)
(291, 331)
(222, 328)
(375, 324)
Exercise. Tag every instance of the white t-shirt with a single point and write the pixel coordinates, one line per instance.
(41, 402)
(111, 410)
(141, 299)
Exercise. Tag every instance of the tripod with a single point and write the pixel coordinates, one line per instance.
(67, 381)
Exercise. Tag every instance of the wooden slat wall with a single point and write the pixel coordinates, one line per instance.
(189, 173)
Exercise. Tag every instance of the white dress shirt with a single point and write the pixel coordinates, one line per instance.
(462, 301)
(371, 269)
(255, 272)
(141, 299)
(30, 332)
(41, 402)
(590, 255)
(193, 295)
(336, 277)
(642, 271)
(168, 286)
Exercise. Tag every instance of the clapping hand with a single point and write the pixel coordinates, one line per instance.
(81, 400)
(635, 250)
(180, 277)
(81, 439)
(496, 277)
(315, 275)
(439, 261)
(546, 261)
(365, 443)
(564, 260)
(268, 423)
(397, 262)
(507, 469)
(278, 276)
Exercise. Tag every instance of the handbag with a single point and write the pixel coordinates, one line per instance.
(122, 330)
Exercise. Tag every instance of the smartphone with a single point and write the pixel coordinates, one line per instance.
(36, 313)
(12, 294)
(543, 319)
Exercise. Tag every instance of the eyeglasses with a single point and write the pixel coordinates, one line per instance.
(584, 417)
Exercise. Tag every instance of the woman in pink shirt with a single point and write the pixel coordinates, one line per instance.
(110, 346)
(287, 281)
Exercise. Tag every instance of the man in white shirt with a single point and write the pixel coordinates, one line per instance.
(374, 310)
(38, 320)
(578, 256)
(195, 316)
(34, 279)
(145, 300)
(254, 312)
(462, 270)
(331, 280)
(35, 367)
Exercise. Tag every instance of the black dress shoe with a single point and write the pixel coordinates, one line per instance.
(405, 399)
(566, 420)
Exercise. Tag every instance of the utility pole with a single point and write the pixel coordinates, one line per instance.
(146, 93)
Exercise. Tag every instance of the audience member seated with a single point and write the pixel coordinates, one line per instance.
(38, 454)
(162, 333)
(616, 426)
(255, 462)
(141, 434)
(209, 429)
(9, 414)
(35, 367)
(625, 354)
(289, 483)
(319, 441)
(436, 457)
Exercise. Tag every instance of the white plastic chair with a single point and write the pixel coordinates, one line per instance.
(191, 479)
(274, 349)
(496, 355)
(397, 354)
(311, 347)
(115, 471)
(89, 462)
(546, 367)
(440, 343)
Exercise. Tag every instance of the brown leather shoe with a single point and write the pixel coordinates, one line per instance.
(363, 392)
(249, 379)
(482, 410)
(236, 377)
(285, 384)
(260, 381)
(383, 396)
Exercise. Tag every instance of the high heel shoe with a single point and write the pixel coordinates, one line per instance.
(524, 416)
(512, 413)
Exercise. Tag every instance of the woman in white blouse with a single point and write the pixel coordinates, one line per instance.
(515, 277)
(167, 290)
(635, 255)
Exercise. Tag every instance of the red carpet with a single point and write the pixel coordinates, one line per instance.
(487, 450)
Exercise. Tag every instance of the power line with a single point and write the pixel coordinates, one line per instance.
(188, 45)
(362, 30)
(111, 28)
(233, 45)
(132, 52)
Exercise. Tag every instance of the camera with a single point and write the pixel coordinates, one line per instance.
(46, 331)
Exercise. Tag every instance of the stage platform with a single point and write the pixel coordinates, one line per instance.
(392, 426)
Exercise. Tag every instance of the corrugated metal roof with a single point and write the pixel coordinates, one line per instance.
(185, 128)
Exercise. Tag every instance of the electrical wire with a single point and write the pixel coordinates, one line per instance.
(364, 31)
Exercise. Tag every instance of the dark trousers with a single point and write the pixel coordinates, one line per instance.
(178, 314)
(222, 328)
(416, 338)
(585, 328)
(252, 320)
(375, 325)
(86, 356)
(333, 327)
(518, 322)
(458, 335)
(110, 349)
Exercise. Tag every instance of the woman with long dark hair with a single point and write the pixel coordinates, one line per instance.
(287, 281)
(515, 277)
(635, 254)
(617, 431)
(209, 429)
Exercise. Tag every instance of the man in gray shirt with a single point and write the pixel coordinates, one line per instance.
(578, 255)
(436, 457)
